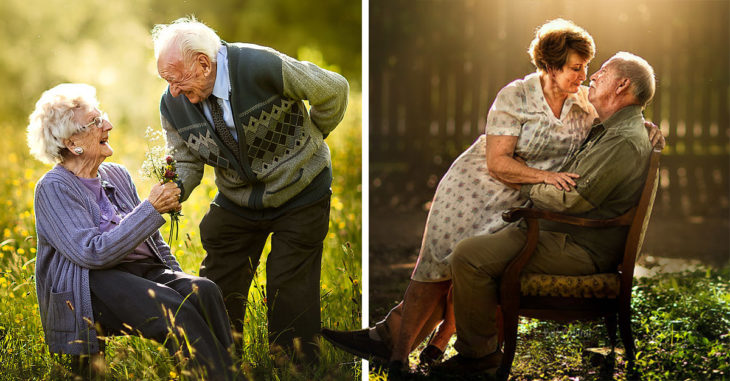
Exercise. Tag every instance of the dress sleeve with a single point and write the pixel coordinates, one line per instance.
(506, 114)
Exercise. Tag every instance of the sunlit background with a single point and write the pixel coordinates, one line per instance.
(436, 66)
(107, 44)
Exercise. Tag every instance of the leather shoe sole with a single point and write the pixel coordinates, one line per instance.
(358, 343)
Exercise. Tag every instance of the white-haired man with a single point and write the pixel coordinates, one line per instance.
(612, 165)
(242, 112)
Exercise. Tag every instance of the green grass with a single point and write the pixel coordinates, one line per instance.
(681, 327)
(23, 353)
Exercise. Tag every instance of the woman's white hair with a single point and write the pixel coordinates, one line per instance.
(189, 35)
(54, 119)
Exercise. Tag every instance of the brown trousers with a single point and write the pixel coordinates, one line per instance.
(233, 246)
(478, 262)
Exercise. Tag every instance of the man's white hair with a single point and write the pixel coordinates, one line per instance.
(187, 34)
(54, 120)
(641, 74)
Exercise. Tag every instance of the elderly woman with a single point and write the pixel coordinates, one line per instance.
(533, 126)
(101, 260)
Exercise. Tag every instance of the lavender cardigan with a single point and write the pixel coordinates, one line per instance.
(70, 244)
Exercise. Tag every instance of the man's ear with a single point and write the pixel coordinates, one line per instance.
(205, 63)
(623, 86)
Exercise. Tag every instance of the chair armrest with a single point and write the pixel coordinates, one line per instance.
(510, 282)
(515, 214)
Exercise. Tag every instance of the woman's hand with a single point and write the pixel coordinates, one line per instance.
(655, 135)
(165, 197)
(561, 180)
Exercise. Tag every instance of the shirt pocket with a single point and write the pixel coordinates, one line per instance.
(60, 315)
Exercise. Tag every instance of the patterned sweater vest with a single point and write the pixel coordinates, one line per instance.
(282, 151)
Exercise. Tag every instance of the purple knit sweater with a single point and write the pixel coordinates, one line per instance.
(70, 243)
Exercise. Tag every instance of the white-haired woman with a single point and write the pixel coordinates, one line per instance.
(101, 260)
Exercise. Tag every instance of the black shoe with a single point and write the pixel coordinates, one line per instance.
(460, 365)
(359, 344)
(397, 370)
(430, 356)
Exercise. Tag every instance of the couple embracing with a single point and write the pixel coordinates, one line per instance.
(551, 141)
(102, 266)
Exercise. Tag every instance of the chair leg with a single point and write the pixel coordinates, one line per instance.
(80, 366)
(500, 327)
(87, 366)
(509, 326)
(624, 326)
(611, 327)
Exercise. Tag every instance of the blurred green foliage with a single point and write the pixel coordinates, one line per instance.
(107, 45)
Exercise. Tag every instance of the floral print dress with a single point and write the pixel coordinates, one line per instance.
(468, 201)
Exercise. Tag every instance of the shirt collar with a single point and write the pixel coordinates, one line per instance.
(222, 86)
(622, 115)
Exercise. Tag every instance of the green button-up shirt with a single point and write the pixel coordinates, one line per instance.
(612, 165)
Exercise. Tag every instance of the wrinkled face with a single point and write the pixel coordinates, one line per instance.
(603, 85)
(573, 73)
(94, 139)
(186, 78)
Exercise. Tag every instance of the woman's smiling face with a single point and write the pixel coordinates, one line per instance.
(569, 78)
(94, 138)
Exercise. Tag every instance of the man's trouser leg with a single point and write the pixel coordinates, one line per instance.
(292, 277)
(233, 246)
(478, 262)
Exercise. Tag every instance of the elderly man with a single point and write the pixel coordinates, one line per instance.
(612, 166)
(242, 112)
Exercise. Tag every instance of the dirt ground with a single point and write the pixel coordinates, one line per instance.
(671, 244)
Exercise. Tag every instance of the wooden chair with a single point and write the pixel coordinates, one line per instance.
(613, 297)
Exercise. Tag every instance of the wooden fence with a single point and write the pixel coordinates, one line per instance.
(436, 66)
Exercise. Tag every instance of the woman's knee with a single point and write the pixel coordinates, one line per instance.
(206, 289)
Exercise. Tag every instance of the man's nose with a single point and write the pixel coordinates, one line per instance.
(174, 91)
(594, 76)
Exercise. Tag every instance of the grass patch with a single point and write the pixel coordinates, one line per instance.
(681, 327)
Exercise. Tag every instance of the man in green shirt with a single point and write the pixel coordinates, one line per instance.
(612, 165)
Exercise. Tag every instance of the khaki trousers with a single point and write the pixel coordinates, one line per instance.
(478, 262)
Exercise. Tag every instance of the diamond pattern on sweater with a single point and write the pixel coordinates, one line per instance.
(274, 135)
(206, 147)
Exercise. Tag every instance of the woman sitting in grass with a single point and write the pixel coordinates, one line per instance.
(102, 263)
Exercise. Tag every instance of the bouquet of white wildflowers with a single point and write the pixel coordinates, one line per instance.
(161, 167)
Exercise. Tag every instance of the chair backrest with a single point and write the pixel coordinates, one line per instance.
(637, 230)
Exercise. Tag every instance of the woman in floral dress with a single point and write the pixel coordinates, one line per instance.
(533, 126)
